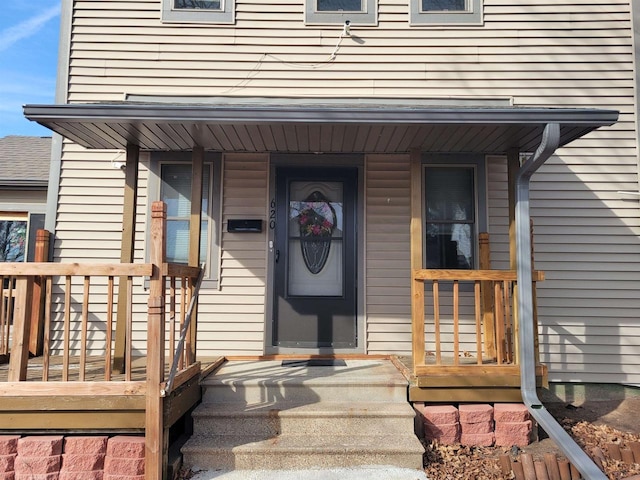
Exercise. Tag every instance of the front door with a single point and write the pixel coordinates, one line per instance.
(315, 258)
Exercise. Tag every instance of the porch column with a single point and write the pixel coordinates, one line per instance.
(195, 225)
(417, 286)
(126, 249)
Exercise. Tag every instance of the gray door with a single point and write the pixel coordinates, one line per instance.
(315, 258)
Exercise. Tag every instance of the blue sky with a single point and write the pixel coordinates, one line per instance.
(28, 59)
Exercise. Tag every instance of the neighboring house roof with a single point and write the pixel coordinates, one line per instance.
(25, 161)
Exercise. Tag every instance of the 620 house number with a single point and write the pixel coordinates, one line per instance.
(272, 214)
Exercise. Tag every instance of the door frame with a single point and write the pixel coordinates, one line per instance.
(312, 160)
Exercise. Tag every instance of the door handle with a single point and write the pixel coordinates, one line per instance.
(277, 255)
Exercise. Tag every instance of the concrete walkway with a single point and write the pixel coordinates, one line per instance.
(359, 473)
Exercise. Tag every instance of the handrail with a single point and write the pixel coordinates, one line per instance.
(183, 334)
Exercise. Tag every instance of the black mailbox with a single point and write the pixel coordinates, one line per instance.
(244, 225)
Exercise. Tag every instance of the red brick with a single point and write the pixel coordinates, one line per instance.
(125, 447)
(123, 466)
(510, 412)
(436, 431)
(7, 476)
(45, 446)
(76, 462)
(480, 427)
(86, 445)
(37, 476)
(475, 413)
(123, 477)
(440, 414)
(477, 439)
(509, 440)
(516, 428)
(7, 463)
(95, 475)
(9, 444)
(37, 465)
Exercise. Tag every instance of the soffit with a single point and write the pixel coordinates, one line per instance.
(328, 127)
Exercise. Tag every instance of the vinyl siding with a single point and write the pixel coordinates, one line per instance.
(538, 53)
(232, 319)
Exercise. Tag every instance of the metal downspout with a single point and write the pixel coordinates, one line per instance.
(588, 469)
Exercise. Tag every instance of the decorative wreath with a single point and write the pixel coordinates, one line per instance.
(317, 219)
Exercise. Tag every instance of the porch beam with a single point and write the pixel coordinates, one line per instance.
(550, 141)
(127, 249)
(417, 286)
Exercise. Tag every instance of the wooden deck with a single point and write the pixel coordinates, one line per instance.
(466, 382)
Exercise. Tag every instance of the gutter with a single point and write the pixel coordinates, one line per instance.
(588, 469)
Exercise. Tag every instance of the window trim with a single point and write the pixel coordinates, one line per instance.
(368, 17)
(157, 159)
(182, 15)
(475, 161)
(472, 16)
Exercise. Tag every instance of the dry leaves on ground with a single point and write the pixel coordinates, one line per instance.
(455, 462)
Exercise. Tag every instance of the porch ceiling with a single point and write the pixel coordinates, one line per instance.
(336, 126)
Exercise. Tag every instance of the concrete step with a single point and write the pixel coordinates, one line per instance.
(323, 418)
(268, 382)
(233, 452)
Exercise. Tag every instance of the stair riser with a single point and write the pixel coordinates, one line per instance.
(270, 426)
(226, 460)
(261, 394)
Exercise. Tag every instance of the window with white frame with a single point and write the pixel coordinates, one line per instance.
(13, 237)
(175, 191)
(362, 12)
(198, 11)
(452, 223)
(446, 12)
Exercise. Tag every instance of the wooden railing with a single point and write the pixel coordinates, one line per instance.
(466, 319)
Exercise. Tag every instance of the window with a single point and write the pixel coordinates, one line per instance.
(446, 12)
(452, 194)
(198, 11)
(363, 12)
(175, 191)
(13, 237)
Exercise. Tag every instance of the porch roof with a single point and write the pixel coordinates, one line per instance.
(314, 125)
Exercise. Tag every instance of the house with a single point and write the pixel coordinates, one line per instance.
(23, 194)
(327, 160)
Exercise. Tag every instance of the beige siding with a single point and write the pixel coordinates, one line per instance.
(388, 263)
(232, 319)
(538, 53)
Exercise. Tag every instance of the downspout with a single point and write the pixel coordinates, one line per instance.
(588, 469)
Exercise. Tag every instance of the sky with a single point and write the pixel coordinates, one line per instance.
(28, 60)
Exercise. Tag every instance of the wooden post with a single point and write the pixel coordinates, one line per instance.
(126, 251)
(536, 340)
(513, 166)
(417, 286)
(488, 318)
(37, 306)
(194, 239)
(21, 325)
(155, 460)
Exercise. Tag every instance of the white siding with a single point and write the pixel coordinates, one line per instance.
(539, 53)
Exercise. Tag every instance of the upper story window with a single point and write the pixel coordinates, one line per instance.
(198, 11)
(446, 12)
(454, 204)
(363, 12)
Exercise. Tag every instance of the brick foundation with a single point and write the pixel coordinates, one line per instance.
(71, 458)
(502, 424)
